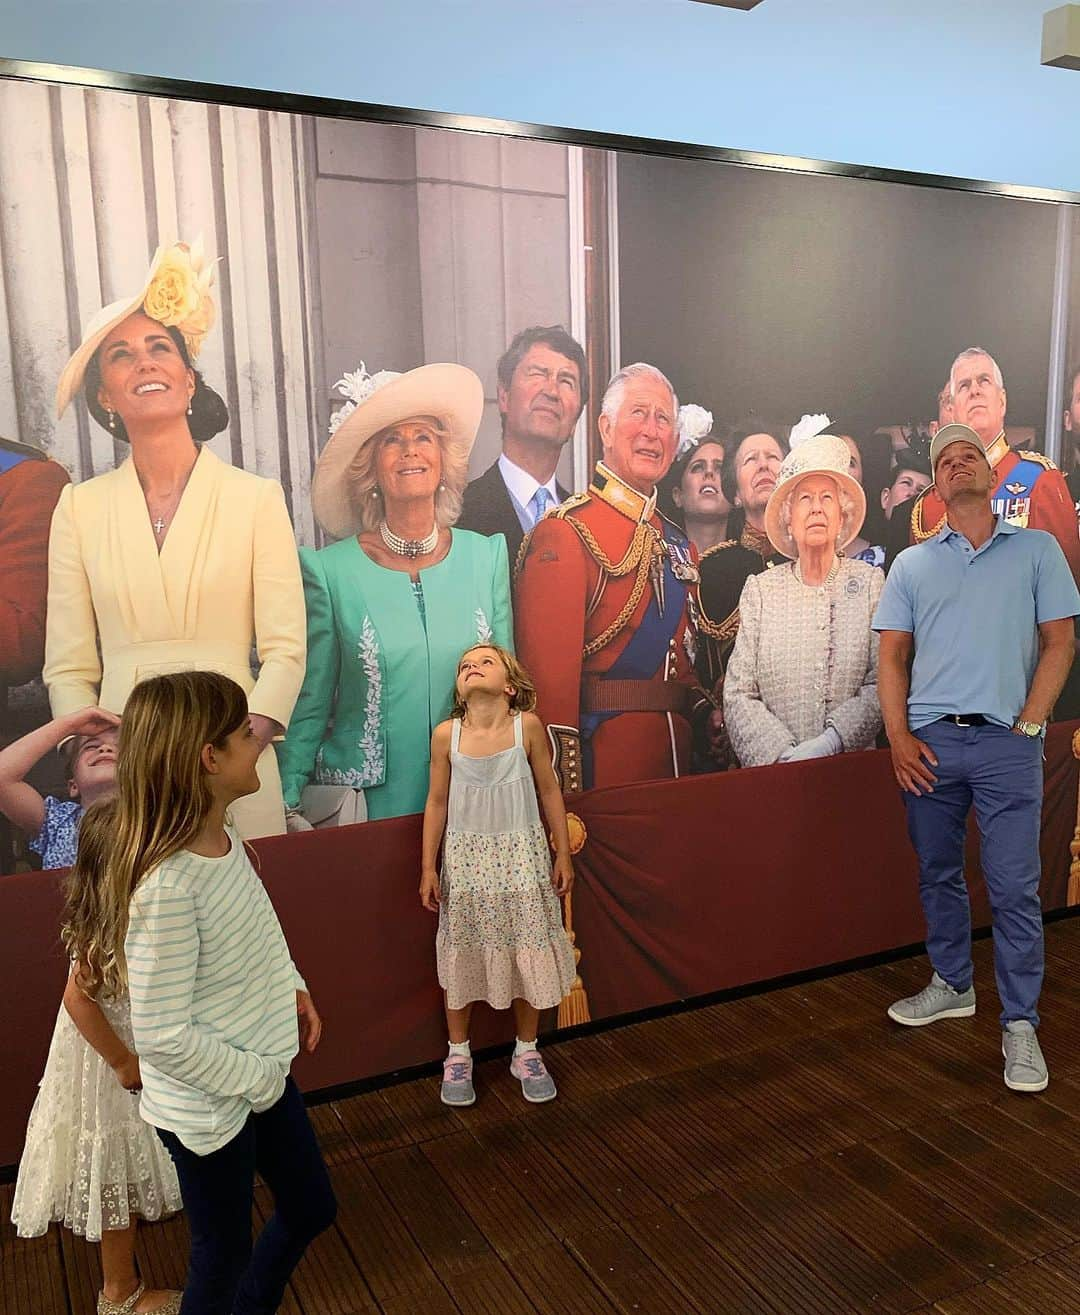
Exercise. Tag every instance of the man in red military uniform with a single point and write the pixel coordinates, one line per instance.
(30, 486)
(1028, 491)
(605, 602)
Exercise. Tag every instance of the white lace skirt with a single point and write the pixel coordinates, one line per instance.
(89, 1160)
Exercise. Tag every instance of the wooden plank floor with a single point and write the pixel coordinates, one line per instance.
(791, 1153)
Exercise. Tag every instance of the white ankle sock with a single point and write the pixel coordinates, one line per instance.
(460, 1048)
(520, 1047)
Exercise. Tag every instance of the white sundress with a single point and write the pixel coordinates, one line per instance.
(89, 1160)
(501, 935)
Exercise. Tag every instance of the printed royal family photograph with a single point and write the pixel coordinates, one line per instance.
(321, 404)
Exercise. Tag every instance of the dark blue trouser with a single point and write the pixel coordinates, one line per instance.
(1001, 773)
(226, 1275)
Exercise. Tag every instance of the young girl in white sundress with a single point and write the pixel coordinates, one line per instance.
(89, 1160)
(500, 937)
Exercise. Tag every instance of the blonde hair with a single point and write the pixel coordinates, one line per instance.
(366, 496)
(523, 698)
(162, 799)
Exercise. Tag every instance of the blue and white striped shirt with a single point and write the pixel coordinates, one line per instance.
(213, 996)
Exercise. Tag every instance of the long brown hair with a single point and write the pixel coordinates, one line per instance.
(523, 698)
(162, 799)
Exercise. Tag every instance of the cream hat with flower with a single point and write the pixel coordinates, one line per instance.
(176, 293)
(821, 454)
(451, 394)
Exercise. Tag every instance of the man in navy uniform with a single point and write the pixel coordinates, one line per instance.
(543, 388)
(976, 627)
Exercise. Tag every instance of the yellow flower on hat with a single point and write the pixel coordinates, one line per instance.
(176, 293)
(179, 293)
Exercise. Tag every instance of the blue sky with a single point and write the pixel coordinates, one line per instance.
(937, 86)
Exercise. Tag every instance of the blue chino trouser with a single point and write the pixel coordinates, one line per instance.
(1001, 773)
(226, 1275)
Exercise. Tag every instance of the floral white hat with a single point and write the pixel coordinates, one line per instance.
(694, 424)
(176, 293)
(452, 394)
(821, 454)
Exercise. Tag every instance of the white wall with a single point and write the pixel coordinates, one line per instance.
(939, 86)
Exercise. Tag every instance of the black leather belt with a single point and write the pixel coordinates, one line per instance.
(966, 719)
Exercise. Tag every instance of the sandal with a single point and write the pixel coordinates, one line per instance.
(171, 1306)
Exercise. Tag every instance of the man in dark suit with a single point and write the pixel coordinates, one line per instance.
(543, 388)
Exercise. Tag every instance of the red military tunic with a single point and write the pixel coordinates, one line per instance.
(1029, 491)
(30, 487)
(613, 669)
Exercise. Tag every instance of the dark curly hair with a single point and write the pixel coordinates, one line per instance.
(673, 479)
(209, 414)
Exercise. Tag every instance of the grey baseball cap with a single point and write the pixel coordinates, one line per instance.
(953, 433)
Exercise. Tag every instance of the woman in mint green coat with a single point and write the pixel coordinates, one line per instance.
(393, 604)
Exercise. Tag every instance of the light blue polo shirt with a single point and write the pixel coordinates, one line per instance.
(974, 614)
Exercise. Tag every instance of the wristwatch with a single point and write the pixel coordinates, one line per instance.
(1032, 729)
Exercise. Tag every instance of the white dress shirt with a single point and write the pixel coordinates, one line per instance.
(522, 489)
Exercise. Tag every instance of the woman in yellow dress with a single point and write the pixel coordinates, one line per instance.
(175, 560)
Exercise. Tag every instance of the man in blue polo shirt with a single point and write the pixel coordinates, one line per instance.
(976, 632)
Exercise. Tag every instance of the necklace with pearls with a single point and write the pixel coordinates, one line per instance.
(411, 548)
(829, 578)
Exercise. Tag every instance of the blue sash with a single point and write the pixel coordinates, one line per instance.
(647, 649)
(9, 460)
(1016, 507)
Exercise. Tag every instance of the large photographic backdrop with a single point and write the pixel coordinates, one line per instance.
(715, 850)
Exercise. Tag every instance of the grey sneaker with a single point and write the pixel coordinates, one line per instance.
(1025, 1068)
(938, 1000)
(457, 1085)
(537, 1084)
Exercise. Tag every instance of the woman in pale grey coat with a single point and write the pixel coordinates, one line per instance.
(802, 679)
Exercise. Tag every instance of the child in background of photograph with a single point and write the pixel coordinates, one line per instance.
(53, 824)
(501, 936)
(90, 1161)
(218, 1009)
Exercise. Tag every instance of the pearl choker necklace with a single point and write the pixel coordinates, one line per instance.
(409, 547)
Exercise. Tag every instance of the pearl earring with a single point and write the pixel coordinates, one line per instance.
(112, 421)
(189, 406)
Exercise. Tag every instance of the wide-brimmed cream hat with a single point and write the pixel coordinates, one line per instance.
(451, 394)
(176, 293)
(824, 454)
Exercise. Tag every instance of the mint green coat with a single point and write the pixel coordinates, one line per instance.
(378, 681)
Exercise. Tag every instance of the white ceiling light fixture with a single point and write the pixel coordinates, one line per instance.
(1061, 37)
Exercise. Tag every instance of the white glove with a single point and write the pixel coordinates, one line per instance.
(820, 746)
(296, 821)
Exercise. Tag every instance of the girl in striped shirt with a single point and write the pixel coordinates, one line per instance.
(218, 1010)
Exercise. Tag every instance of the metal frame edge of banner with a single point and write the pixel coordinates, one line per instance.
(325, 106)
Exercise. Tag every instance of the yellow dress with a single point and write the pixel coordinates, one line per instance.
(227, 581)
